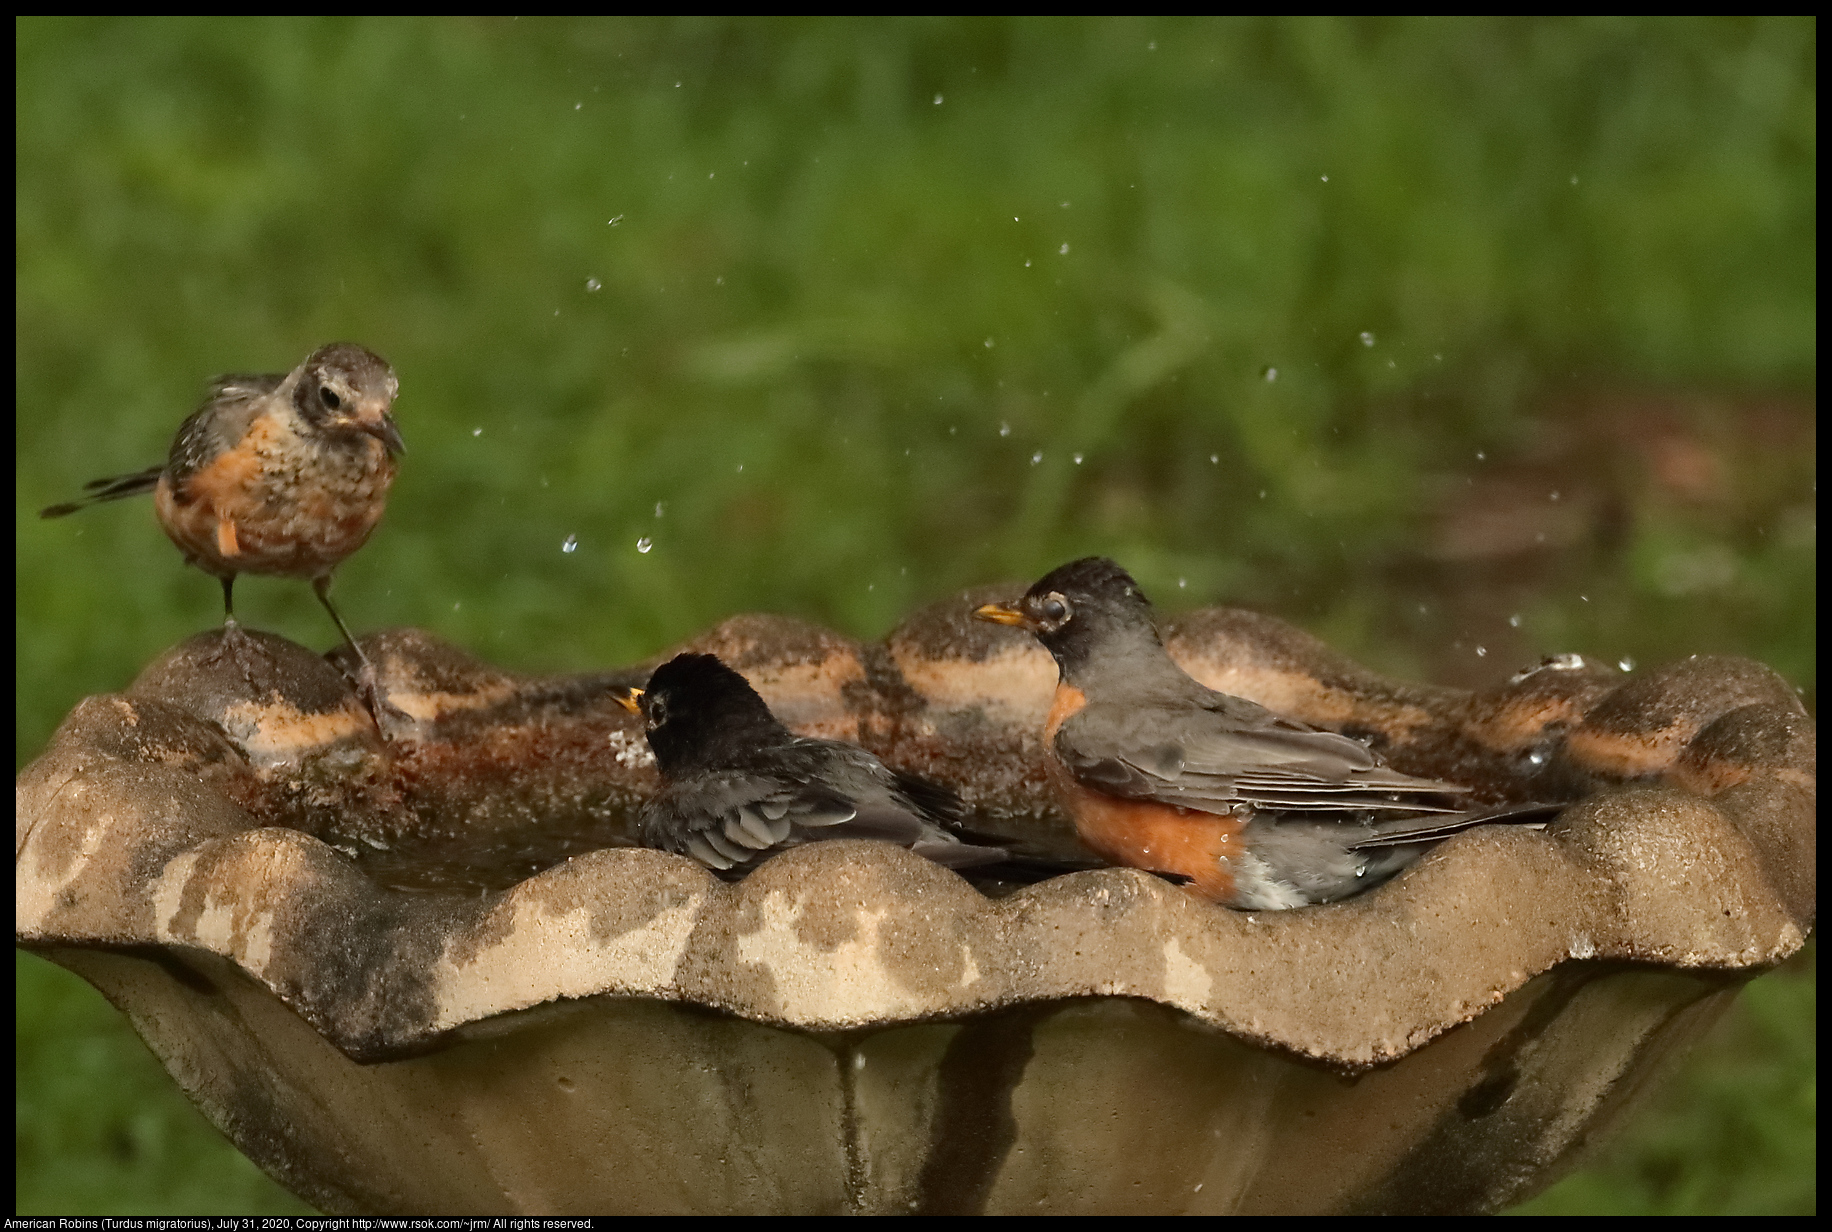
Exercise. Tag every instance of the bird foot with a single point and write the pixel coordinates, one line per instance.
(246, 654)
(384, 713)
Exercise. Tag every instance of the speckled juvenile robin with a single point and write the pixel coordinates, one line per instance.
(738, 786)
(1162, 773)
(284, 474)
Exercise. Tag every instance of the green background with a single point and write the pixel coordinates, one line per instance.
(1455, 342)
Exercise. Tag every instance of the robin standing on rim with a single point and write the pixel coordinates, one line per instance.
(1164, 774)
(738, 786)
(283, 474)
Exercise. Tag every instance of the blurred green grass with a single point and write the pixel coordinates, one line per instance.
(1457, 342)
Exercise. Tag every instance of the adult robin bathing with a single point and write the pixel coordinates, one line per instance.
(738, 786)
(1165, 774)
(284, 474)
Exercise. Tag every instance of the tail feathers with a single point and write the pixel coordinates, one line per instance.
(931, 798)
(1431, 828)
(959, 855)
(115, 487)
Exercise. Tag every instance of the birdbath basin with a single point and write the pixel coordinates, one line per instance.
(432, 973)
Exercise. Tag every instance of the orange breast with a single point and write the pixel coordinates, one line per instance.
(1160, 838)
(1067, 704)
(277, 505)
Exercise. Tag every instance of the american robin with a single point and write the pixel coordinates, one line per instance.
(284, 474)
(1164, 774)
(738, 786)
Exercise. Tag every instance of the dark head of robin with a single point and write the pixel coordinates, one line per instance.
(1085, 607)
(700, 714)
(346, 388)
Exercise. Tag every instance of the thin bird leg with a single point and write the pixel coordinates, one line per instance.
(247, 653)
(368, 680)
(321, 586)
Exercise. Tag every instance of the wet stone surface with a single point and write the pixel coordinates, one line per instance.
(492, 792)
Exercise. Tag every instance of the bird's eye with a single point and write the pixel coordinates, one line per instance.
(657, 712)
(330, 397)
(1054, 608)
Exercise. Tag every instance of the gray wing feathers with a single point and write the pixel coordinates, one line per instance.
(1271, 765)
(731, 821)
(735, 820)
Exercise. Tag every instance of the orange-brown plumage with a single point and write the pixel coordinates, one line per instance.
(284, 474)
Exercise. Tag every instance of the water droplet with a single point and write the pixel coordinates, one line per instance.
(1367, 338)
(1064, 250)
(581, 106)
(1626, 664)
(660, 507)
(1392, 364)
(571, 544)
(1036, 457)
(741, 468)
(1438, 358)
(1537, 758)
(457, 605)
(1574, 181)
(1078, 459)
(1182, 583)
(644, 544)
(592, 284)
(1214, 459)
(1514, 621)
(613, 222)
(1262, 494)
(1423, 609)
(988, 344)
(1270, 374)
(1482, 652)
(938, 100)
(1004, 429)
(1585, 598)
(1555, 494)
(1481, 457)
(476, 431)
(1326, 179)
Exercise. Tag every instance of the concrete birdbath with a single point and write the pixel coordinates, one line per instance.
(433, 974)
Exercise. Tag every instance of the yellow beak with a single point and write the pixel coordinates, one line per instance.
(1002, 614)
(631, 701)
